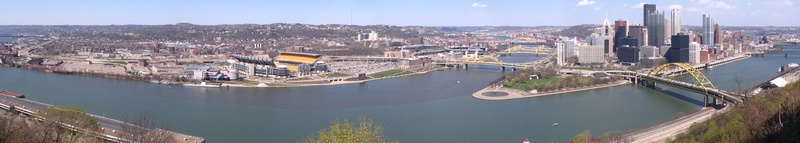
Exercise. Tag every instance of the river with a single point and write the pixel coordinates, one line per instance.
(432, 107)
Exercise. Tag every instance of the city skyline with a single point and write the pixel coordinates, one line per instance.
(405, 13)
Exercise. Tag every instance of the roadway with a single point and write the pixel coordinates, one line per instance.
(662, 132)
(33, 106)
(26, 51)
(109, 126)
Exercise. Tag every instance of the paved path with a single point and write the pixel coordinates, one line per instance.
(517, 94)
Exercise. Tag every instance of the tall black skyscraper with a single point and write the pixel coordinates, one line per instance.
(648, 8)
(628, 54)
(621, 34)
(679, 52)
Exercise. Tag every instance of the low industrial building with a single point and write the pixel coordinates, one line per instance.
(215, 74)
(167, 69)
(417, 63)
(650, 62)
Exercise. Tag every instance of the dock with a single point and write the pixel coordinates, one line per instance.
(111, 129)
(12, 94)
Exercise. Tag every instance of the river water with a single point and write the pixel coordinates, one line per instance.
(432, 107)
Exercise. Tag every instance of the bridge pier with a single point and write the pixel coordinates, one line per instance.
(650, 84)
(502, 68)
(710, 101)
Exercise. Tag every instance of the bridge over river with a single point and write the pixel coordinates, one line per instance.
(701, 84)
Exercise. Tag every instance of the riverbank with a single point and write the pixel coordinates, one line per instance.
(731, 59)
(346, 80)
(517, 94)
(300, 84)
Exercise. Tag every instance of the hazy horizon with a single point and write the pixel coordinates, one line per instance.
(400, 13)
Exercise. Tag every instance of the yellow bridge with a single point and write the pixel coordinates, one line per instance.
(492, 60)
(522, 49)
(701, 85)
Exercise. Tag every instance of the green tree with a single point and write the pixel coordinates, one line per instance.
(714, 133)
(65, 124)
(340, 132)
(579, 138)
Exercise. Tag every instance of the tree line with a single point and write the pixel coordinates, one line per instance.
(571, 81)
(774, 117)
(58, 124)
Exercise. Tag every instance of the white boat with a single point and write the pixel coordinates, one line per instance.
(791, 65)
(202, 84)
(556, 124)
(154, 81)
(165, 82)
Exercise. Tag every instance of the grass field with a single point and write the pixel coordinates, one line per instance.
(583, 68)
(336, 74)
(250, 82)
(389, 73)
(118, 62)
(521, 86)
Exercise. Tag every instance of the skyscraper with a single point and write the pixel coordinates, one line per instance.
(679, 52)
(628, 54)
(594, 39)
(667, 28)
(655, 29)
(619, 35)
(607, 34)
(590, 54)
(560, 55)
(648, 8)
(676, 21)
(565, 49)
(708, 31)
(607, 29)
(639, 32)
(717, 34)
(694, 52)
(619, 23)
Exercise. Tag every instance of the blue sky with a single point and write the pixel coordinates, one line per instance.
(390, 12)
